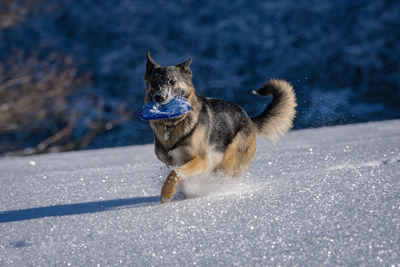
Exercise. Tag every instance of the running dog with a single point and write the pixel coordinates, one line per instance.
(215, 136)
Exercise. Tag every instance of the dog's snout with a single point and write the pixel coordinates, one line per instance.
(161, 95)
(158, 98)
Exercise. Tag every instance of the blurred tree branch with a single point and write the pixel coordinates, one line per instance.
(45, 99)
(45, 103)
(13, 12)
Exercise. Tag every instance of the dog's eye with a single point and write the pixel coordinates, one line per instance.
(171, 82)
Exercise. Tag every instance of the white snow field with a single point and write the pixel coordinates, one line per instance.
(328, 196)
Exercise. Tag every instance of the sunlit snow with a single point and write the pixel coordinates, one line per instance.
(328, 196)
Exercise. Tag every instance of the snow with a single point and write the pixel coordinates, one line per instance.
(327, 196)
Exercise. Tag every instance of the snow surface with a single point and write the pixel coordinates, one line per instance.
(328, 196)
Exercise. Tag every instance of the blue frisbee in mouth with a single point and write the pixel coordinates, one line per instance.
(176, 107)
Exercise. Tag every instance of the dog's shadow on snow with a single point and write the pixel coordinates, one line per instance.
(74, 209)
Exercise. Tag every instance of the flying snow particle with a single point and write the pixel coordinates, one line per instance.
(109, 126)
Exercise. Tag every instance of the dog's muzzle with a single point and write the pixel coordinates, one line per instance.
(162, 95)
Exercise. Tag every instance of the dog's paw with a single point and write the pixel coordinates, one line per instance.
(165, 200)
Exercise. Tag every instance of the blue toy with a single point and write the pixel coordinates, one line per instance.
(177, 107)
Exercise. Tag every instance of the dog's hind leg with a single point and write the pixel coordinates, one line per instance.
(196, 165)
(239, 154)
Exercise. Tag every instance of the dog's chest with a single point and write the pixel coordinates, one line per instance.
(175, 157)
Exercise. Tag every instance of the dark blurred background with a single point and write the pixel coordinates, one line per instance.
(71, 71)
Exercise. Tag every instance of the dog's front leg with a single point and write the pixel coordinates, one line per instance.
(168, 190)
(195, 166)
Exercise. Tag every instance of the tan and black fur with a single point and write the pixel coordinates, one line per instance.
(215, 136)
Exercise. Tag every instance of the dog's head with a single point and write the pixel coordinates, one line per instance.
(165, 82)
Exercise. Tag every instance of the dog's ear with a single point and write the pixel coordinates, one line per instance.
(185, 65)
(151, 64)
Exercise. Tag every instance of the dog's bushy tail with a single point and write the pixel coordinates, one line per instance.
(277, 118)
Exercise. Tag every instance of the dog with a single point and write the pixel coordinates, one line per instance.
(215, 136)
